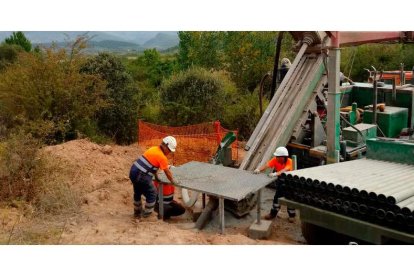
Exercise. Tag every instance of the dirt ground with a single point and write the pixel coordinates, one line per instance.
(100, 174)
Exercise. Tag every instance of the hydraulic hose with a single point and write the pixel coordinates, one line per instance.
(188, 200)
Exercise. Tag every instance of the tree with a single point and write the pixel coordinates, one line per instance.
(247, 56)
(118, 120)
(202, 49)
(18, 38)
(354, 60)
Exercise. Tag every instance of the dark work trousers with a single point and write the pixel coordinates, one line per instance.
(143, 185)
(276, 206)
(171, 209)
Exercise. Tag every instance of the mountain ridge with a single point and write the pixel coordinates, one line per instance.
(139, 40)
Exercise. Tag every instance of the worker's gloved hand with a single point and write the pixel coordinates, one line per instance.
(274, 174)
(170, 167)
(176, 182)
(256, 171)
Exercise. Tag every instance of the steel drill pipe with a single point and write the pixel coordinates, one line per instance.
(393, 182)
(380, 213)
(315, 184)
(409, 209)
(382, 193)
(265, 117)
(406, 206)
(400, 219)
(396, 209)
(331, 187)
(363, 209)
(346, 190)
(389, 216)
(400, 196)
(354, 206)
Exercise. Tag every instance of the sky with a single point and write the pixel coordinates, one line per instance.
(212, 15)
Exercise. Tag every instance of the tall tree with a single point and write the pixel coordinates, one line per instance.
(18, 38)
(202, 49)
(118, 120)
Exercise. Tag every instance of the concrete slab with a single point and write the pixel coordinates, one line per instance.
(260, 231)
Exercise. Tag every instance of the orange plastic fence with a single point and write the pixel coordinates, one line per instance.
(194, 142)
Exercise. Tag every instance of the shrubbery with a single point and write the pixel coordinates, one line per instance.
(192, 97)
(48, 96)
(28, 177)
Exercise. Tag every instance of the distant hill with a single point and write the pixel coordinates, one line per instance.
(105, 41)
(162, 41)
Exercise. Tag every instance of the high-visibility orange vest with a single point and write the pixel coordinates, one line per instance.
(167, 191)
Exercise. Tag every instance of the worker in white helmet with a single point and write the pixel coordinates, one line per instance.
(142, 171)
(285, 66)
(279, 163)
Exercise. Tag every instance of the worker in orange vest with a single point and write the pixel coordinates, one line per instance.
(171, 207)
(142, 171)
(279, 163)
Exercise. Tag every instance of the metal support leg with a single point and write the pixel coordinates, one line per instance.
(258, 203)
(204, 200)
(221, 213)
(334, 104)
(160, 201)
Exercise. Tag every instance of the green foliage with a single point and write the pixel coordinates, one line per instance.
(203, 49)
(148, 71)
(193, 96)
(152, 67)
(46, 94)
(242, 113)
(381, 56)
(118, 120)
(18, 38)
(247, 56)
(8, 54)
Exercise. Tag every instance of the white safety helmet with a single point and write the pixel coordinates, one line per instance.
(170, 142)
(281, 151)
(286, 62)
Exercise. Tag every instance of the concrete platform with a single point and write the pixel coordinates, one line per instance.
(260, 231)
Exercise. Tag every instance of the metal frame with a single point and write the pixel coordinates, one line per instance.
(346, 225)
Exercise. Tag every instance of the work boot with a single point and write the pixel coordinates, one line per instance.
(137, 214)
(147, 213)
(271, 215)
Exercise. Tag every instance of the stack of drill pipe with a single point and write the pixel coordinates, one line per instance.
(279, 119)
(371, 190)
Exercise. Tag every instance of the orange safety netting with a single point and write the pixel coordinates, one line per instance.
(194, 142)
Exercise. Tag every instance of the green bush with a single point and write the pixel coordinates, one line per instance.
(242, 113)
(194, 96)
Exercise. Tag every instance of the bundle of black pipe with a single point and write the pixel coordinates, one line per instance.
(389, 206)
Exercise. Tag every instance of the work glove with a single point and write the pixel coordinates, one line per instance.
(274, 174)
(176, 182)
(256, 171)
(170, 167)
